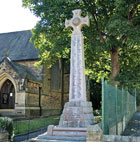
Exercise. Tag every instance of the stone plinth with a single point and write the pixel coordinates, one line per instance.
(77, 114)
(94, 133)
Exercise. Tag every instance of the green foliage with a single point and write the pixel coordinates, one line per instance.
(97, 119)
(129, 67)
(97, 112)
(97, 115)
(113, 23)
(7, 124)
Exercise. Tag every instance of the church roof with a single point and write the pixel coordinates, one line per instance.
(22, 70)
(18, 46)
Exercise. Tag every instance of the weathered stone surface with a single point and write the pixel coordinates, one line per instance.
(63, 138)
(67, 133)
(63, 135)
(108, 138)
(135, 139)
(86, 104)
(118, 138)
(50, 130)
(94, 133)
(75, 115)
(52, 99)
(77, 22)
(77, 90)
(124, 138)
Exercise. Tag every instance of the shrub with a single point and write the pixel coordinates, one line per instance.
(97, 119)
(7, 124)
(97, 112)
(97, 115)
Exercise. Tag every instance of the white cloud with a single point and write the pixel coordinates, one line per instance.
(13, 17)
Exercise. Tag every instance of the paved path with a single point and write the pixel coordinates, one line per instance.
(133, 128)
(26, 137)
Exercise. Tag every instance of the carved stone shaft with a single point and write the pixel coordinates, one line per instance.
(77, 70)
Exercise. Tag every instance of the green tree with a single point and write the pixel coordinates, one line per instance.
(114, 31)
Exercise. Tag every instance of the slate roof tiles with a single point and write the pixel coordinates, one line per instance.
(18, 46)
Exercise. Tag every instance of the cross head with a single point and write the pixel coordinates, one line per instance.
(77, 21)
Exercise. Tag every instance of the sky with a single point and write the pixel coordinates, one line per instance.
(13, 17)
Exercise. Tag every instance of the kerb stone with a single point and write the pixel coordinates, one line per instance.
(50, 130)
(94, 133)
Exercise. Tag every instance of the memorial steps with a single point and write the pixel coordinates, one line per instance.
(63, 135)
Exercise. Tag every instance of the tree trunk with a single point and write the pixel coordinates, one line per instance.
(115, 64)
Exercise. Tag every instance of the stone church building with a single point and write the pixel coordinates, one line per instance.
(26, 90)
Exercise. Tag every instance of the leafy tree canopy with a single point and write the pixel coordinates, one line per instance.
(114, 26)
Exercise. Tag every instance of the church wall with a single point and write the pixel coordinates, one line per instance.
(66, 87)
(51, 99)
(32, 89)
(51, 91)
(32, 99)
(20, 103)
(51, 104)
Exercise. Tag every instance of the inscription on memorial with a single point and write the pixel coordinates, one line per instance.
(74, 114)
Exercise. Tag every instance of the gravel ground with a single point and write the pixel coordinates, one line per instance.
(133, 128)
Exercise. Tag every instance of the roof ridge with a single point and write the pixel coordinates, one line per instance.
(18, 45)
(15, 32)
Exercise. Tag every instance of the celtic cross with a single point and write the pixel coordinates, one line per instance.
(77, 22)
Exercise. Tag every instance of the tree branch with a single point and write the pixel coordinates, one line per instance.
(123, 39)
(132, 12)
(130, 17)
(97, 27)
(96, 23)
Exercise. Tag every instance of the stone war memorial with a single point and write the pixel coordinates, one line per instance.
(77, 114)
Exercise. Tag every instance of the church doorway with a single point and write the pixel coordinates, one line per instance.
(7, 95)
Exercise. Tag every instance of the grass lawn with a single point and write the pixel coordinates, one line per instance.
(24, 126)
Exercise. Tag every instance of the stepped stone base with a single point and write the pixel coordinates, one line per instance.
(77, 115)
(58, 134)
(75, 119)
